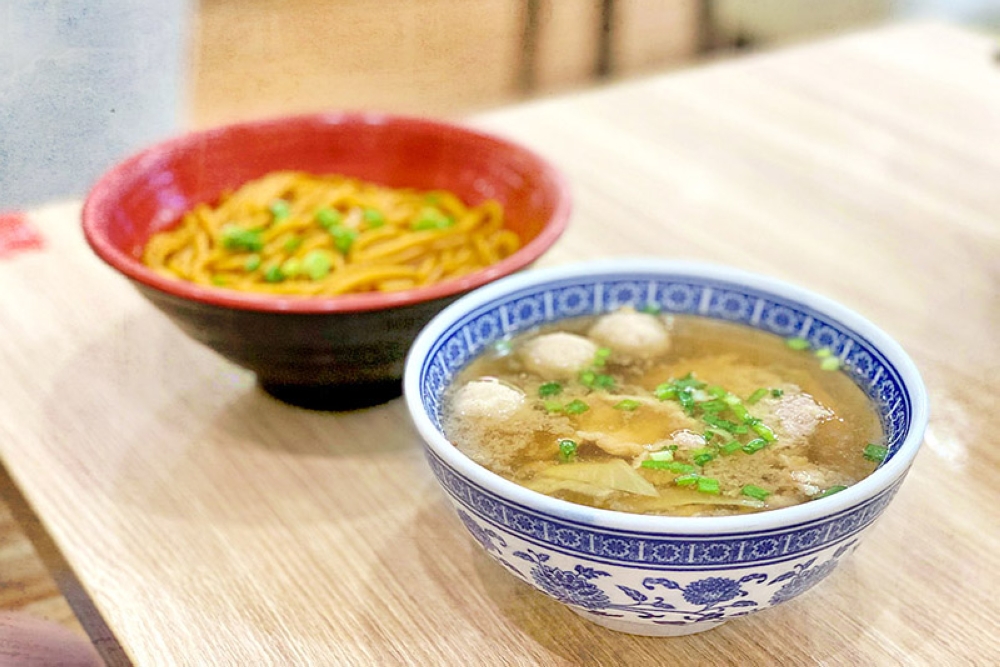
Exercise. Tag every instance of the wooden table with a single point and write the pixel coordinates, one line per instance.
(207, 524)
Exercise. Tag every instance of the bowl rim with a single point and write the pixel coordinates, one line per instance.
(881, 480)
(105, 191)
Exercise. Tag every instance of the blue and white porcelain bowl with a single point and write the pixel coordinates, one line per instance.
(654, 575)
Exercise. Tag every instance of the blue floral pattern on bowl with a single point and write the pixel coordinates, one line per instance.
(645, 582)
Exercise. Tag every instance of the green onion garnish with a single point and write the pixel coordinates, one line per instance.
(797, 343)
(627, 404)
(687, 479)
(754, 445)
(830, 364)
(604, 381)
(343, 238)
(273, 274)
(823, 352)
(291, 267)
(328, 217)
(431, 217)
(219, 280)
(576, 407)
(829, 492)
(280, 209)
(374, 218)
(252, 263)
(547, 389)
(876, 453)
(757, 395)
(763, 430)
(730, 447)
(665, 391)
(650, 309)
(601, 356)
(662, 455)
(292, 243)
(237, 238)
(567, 449)
(777, 393)
(670, 466)
(755, 492)
(741, 412)
(553, 406)
(702, 456)
(316, 264)
(708, 485)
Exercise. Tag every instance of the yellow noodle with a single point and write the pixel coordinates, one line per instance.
(268, 236)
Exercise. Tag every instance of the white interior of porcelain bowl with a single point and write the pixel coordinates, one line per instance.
(518, 303)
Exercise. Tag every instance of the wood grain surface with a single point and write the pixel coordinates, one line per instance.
(210, 525)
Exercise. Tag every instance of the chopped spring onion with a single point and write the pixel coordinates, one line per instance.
(754, 445)
(757, 395)
(753, 491)
(824, 352)
(665, 391)
(687, 479)
(876, 453)
(553, 406)
(291, 267)
(763, 430)
(797, 343)
(576, 407)
(669, 466)
(273, 274)
(237, 238)
(830, 364)
(650, 309)
(829, 492)
(252, 263)
(431, 217)
(708, 485)
(547, 389)
(715, 405)
(730, 447)
(343, 238)
(567, 449)
(219, 280)
(328, 217)
(601, 356)
(777, 393)
(316, 264)
(374, 218)
(292, 243)
(702, 456)
(662, 455)
(627, 404)
(741, 412)
(280, 209)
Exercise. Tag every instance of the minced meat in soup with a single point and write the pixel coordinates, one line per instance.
(677, 415)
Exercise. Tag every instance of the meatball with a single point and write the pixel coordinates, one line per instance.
(794, 416)
(488, 398)
(558, 355)
(632, 333)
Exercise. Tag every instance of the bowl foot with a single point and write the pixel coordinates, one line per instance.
(335, 397)
(647, 629)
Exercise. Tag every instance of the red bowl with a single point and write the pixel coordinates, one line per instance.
(324, 352)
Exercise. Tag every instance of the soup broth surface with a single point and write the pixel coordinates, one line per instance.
(675, 415)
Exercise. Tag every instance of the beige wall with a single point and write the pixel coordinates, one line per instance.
(443, 57)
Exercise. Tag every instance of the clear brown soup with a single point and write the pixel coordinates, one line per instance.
(760, 426)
